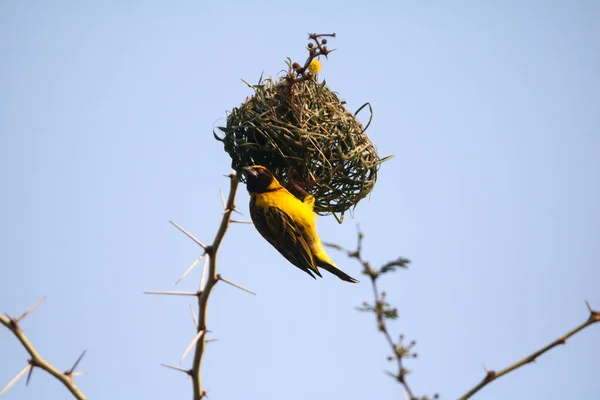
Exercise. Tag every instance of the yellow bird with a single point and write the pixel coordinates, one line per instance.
(288, 223)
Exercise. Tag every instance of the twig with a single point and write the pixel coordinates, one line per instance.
(492, 375)
(383, 311)
(316, 49)
(211, 280)
(36, 359)
(207, 282)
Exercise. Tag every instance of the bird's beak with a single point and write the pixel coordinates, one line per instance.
(250, 172)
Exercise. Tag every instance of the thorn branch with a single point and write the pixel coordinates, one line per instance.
(492, 375)
(208, 284)
(36, 359)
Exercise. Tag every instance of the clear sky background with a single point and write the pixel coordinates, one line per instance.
(491, 108)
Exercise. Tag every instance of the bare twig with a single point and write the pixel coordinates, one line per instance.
(491, 375)
(400, 351)
(211, 280)
(315, 49)
(383, 312)
(36, 359)
(207, 282)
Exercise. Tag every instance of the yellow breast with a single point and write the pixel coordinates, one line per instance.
(300, 212)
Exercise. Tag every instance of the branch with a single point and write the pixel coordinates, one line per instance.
(492, 375)
(384, 311)
(209, 279)
(211, 252)
(36, 359)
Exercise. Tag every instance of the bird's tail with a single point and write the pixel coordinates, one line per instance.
(337, 272)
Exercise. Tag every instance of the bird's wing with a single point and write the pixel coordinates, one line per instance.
(279, 229)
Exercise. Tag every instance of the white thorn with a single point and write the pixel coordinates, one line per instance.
(173, 293)
(199, 243)
(203, 278)
(16, 378)
(194, 318)
(223, 199)
(30, 309)
(192, 343)
(236, 285)
(190, 268)
(175, 368)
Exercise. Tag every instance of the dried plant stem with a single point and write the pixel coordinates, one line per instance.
(492, 375)
(383, 311)
(401, 376)
(211, 252)
(37, 360)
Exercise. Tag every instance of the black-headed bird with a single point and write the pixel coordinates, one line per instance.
(288, 223)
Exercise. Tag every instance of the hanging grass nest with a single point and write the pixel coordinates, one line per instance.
(301, 131)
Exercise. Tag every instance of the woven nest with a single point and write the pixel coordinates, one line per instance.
(302, 128)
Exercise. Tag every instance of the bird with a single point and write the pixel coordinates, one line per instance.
(288, 223)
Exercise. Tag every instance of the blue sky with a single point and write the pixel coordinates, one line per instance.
(491, 108)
